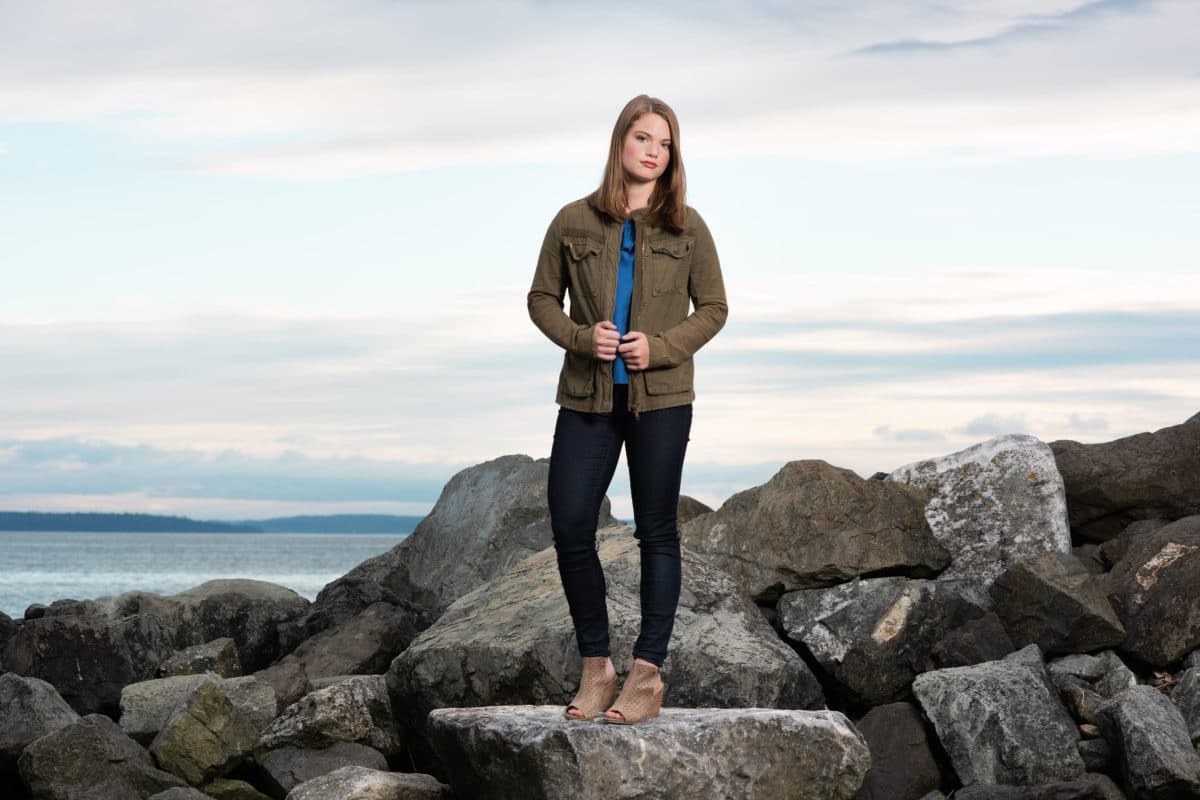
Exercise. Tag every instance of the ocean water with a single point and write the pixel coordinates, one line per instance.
(41, 566)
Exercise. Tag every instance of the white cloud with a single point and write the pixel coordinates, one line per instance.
(320, 89)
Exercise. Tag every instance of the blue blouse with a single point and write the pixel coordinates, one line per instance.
(624, 296)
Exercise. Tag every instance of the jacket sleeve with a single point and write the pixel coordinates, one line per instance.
(545, 299)
(707, 290)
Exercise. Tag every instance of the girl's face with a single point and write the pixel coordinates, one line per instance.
(647, 149)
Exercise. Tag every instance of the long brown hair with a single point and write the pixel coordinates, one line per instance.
(667, 207)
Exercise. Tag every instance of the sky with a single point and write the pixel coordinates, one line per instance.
(263, 258)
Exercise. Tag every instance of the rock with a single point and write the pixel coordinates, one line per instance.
(1089, 787)
(156, 626)
(688, 509)
(973, 642)
(1186, 696)
(902, 763)
(181, 793)
(1091, 558)
(206, 735)
(873, 635)
(1084, 682)
(1051, 600)
(365, 644)
(993, 504)
(30, 708)
(531, 752)
(229, 789)
(147, 705)
(79, 655)
(488, 518)
(91, 759)
(1113, 550)
(511, 640)
(1155, 590)
(1151, 740)
(814, 525)
(287, 767)
(1096, 755)
(1000, 723)
(1144, 476)
(218, 656)
(355, 710)
(360, 783)
(340, 601)
(288, 678)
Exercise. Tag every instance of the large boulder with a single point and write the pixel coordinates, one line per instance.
(30, 708)
(813, 525)
(1155, 590)
(1147, 475)
(91, 759)
(1187, 697)
(527, 752)
(1150, 736)
(512, 641)
(79, 655)
(993, 504)
(1053, 601)
(873, 635)
(288, 766)
(488, 518)
(156, 627)
(1001, 722)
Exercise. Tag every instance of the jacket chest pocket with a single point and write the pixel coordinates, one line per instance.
(584, 262)
(670, 262)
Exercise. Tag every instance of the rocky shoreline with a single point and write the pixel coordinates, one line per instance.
(1015, 620)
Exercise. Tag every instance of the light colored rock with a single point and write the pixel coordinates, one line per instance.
(993, 503)
(361, 783)
(1000, 722)
(532, 752)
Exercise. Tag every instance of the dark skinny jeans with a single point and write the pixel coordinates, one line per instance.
(582, 462)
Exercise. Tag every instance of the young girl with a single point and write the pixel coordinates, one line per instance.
(630, 255)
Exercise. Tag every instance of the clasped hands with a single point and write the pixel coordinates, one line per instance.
(607, 344)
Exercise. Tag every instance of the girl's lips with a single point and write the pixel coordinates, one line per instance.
(650, 164)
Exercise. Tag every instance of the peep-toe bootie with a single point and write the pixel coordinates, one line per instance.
(640, 700)
(595, 690)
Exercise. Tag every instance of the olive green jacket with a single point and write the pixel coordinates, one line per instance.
(579, 256)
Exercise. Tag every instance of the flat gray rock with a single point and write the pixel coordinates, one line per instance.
(993, 503)
(512, 641)
(532, 752)
(361, 783)
(1001, 722)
